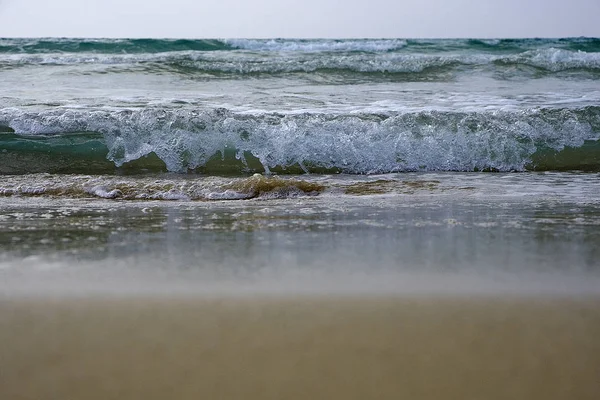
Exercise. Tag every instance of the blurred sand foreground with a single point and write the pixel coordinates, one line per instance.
(299, 348)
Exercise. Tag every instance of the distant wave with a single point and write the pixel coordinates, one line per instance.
(234, 64)
(319, 45)
(403, 59)
(138, 46)
(107, 46)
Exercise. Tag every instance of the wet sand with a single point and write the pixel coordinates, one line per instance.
(328, 347)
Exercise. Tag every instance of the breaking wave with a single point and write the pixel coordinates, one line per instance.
(319, 45)
(136, 46)
(236, 64)
(179, 140)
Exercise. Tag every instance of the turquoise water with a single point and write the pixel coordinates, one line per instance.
(353, 106)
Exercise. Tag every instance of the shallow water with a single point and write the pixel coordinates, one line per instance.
(403, 233)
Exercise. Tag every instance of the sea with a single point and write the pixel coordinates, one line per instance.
(304, 165)
(290, 218)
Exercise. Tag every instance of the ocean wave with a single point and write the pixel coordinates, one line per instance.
(554, 60)
(318, 45)
(361, 143)
(239, 64)
(107, 46)
(137, 46)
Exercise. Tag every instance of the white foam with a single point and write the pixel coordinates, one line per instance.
(357, 143)
(226, 195)
(377, 45)
(555, 60)
(104, 192)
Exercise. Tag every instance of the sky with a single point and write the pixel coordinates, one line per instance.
(299, 18)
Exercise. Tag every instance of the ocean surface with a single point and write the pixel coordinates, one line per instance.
(340, 164)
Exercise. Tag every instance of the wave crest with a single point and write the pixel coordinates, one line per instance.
(318, 45)
(236, 64)
(356, 143)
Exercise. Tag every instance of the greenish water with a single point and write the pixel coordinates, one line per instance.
(354, 106)
(81, 153)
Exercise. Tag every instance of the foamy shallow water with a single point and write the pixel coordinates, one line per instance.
(526, 233)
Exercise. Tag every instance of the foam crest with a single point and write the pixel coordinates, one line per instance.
(236, 63)
(556, 60)
(378, 45)
(356, 143)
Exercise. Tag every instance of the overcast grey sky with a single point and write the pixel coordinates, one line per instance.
(299, 18)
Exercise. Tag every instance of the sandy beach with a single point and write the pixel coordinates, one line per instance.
(299, 347)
